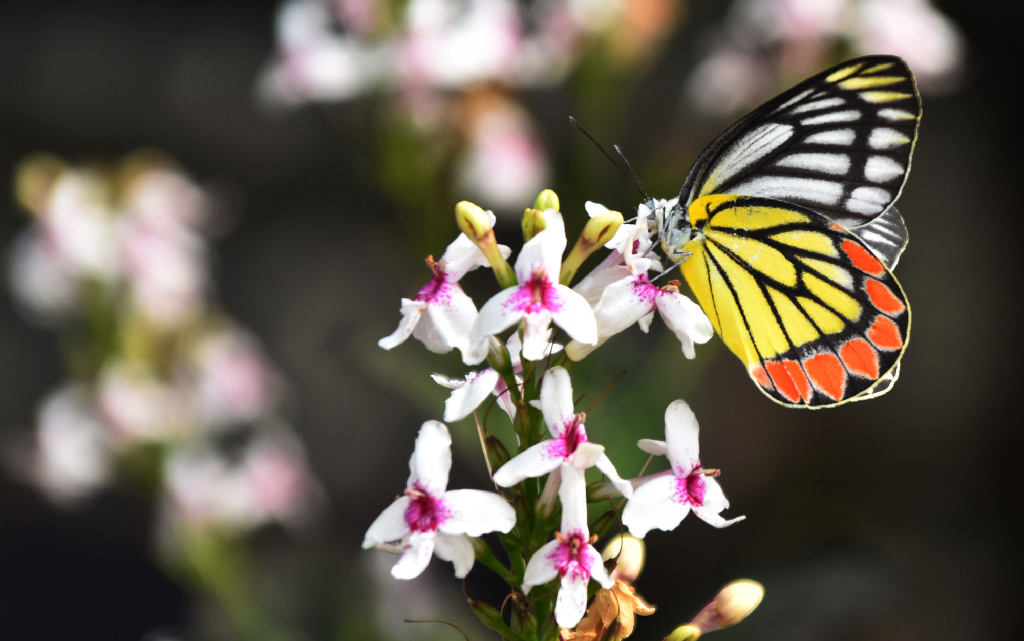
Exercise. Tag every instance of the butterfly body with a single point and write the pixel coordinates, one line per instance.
(785, 231)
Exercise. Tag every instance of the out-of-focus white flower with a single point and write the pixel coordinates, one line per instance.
(767, 21)
(430, 519)
(167, 200)
(270, 481)
(235, 382)
(568, 445)
(570, 556)
(166, 269)
(728, 79)
(141, 408)
(539, 299)
(442, 315)
(663, 501)
(504, 163)
(71, 456)
(41, 281)
(930, 42)
(80, 226)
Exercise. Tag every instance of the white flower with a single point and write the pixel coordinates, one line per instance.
(442, 315)
(570, 556)
(430, 520)
(568, 445)
(539, 298)
(633, 298)
(476, 386)
(666, 499)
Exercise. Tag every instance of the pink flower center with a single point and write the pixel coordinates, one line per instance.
(645, 290)
(425, 513)
(691, 489)
(573, 556)
(575, 434)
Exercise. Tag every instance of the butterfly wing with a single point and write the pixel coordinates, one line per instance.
(814, 315)
(839, 143)
(885, 235)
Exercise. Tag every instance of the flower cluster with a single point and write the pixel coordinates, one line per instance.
(541, 515)
(767, 42)
(450, 69)
(116, 260)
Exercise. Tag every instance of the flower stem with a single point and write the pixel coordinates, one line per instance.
(485, 555)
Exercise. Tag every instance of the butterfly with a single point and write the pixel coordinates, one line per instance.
(786, 232)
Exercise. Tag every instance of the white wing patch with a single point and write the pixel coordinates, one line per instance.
(818, 104)
(895, 114)
(754, 146)
(882, 169)
(843, 137)
(787, 188)
(868, 200)
(837, 164)
(885, 138)
(835, 116)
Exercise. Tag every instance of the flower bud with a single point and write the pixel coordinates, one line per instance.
(533, 223)
(628, 552)
(599, 230)
(547, 199)
(34, 177)
(488, 614)
(476, 225)
(496, 451)
(734, 603)
(684, 633)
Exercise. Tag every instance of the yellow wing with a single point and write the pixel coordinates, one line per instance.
(816, 318)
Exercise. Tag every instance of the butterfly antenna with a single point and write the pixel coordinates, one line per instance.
(629, 176)
(636, 181)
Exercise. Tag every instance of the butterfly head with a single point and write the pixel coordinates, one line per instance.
(673, 227)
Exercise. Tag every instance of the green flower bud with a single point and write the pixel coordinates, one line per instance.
(684, 633)
(547, 199)
(476, 225)
(533, 223)
(599, 230)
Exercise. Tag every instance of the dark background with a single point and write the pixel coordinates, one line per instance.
(892, 519)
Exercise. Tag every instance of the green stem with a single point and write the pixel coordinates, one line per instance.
(485, 555)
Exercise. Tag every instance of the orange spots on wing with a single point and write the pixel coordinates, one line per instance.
(783, 383)
(761, 376)
(836, 226)
(862, 259)
(883, 298)
(860, 358)
(827, 375)
(799, 379)
(884, 334)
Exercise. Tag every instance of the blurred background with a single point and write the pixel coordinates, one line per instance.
(197, 425)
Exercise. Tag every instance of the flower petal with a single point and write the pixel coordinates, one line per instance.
(587, 455)
(681, 432)
(573, 496)
(462, 402)
(389, 526)
(541, 567)
(622, 304)
(462, 256)
(575, 316)
(556, 402)
(651, 446)
(419, 547)
(535, 461)
(450, 383)
(654, 506)
(645, 322)
(476, 512)
(432, 459)
(572, 600)
(412, 310)
(714, 503)
(536, 330)
(686, 319)
(604, 464)
(457, 549)
(497, 314)
(541, 255)
(448, 322)
(593, 284)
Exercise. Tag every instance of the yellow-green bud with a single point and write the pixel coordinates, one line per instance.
(684, 633)
(734, 603)
(547, 199)
(599, 230)
(476, 225)
(628, 552)
(533, 223)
